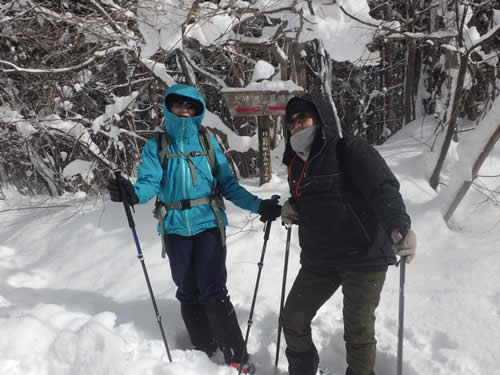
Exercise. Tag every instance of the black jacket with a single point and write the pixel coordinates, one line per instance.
(347, 199)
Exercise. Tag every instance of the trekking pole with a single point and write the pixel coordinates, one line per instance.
(131, 224)
(267, 229)
(402, 270)
(283, 286)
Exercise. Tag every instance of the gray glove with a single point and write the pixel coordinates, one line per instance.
(289, 214)
(405, 247)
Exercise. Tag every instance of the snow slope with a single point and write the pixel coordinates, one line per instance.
(73, 299)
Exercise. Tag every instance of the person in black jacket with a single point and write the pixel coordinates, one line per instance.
(352, 224)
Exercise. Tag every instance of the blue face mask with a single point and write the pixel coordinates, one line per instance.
(301, 142)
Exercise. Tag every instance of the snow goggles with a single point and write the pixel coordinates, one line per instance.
(300, 118)
(182, 104)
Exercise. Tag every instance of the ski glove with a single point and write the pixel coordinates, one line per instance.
(269, 210)
(405, 246)
(289, 214)
(114, 191)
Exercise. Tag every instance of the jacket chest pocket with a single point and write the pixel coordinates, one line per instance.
(331, 184)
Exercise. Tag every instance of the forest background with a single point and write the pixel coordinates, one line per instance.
(81, 82)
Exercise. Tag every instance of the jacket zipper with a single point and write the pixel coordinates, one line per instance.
(304, 168)
(184, 174)
(315, 156)
(360, 224)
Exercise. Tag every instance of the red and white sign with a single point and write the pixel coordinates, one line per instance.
(242, 102)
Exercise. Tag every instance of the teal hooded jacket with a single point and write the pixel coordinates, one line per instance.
(175, 183)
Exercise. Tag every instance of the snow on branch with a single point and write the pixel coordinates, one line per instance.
(239, 143)
(398, 34)
(63, 70)
(485, 38)
(112, 110)
(159, 70)
(113, 24)
(195, 66)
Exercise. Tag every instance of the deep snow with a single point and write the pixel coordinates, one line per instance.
(73, 299)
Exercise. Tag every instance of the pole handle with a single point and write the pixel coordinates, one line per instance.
(267, 227)
(123, 195)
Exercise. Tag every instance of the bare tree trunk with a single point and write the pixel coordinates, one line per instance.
(240, 162)
(387, 59)
(43, 170)
(410, 66)
(296, 62)
(434, 180)
(284, 75)
(325, 64)
(186, 68)
(297, 66)
(123, 90)
(475, 170)
(4, 179)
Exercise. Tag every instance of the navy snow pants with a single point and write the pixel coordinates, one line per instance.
(198, 266)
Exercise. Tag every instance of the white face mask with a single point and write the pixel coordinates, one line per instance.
(301, 142)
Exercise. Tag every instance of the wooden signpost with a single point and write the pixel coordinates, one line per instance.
(262, 104)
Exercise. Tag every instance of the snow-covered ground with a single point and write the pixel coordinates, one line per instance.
(73, 299)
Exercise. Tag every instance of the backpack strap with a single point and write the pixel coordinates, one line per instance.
(207, 146)
(163, 144)
(217, 201)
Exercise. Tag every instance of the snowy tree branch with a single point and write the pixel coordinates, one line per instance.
(485, 38)
(62, 70)
(397, 34)
(113, 24)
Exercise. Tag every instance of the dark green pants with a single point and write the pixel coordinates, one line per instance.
(361, 287)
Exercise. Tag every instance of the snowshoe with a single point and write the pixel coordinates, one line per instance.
(247, 368)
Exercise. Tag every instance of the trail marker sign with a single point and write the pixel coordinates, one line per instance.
(243, 102)
(262, 104)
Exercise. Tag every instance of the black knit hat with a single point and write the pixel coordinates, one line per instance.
(170, 98)
(297, 105)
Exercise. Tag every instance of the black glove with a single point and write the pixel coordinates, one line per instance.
(269, 210)
(114, 191)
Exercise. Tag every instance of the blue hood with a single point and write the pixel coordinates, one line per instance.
(177, 127)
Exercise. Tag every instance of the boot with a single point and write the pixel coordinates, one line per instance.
(247, 368)
(305, 363)
(198, 327)
(226, 329)
(350, 372)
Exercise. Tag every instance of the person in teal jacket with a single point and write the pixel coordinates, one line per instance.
(193, 238)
